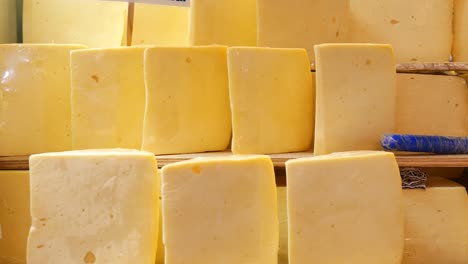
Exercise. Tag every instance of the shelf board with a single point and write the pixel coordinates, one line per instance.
(404, 160)
(428, 67)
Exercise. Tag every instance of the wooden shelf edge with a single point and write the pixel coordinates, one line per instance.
(279, 160)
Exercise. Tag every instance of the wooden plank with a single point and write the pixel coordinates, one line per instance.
(409, 160)
(430, 67)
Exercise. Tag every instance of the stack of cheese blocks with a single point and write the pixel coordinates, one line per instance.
(233, 78)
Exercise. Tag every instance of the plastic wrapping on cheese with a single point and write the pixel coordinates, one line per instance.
(8, 30)
(34, 98)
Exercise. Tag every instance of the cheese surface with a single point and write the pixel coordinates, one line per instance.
(231, 23)
(432, 105)
(92, 22)
(301, 23)
(34, 98)
(187, 100)
(160, 25)
(343, 203)
(283, 225)
(436, 224)
(230, 203)
(419, 31)
(356, 96)
(93, 207)
(15, 219)
(460, 31)
(108, 98)
(8, 21)
(272, 100)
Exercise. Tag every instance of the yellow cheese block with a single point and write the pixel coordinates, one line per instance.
(34, 98)
(8, 21)
(432, 105)
(15, 219)
(108, 98)
(345, 208)
(460, 31)
(356, 96)
(93, 207)
(272, 100)
(436, 224)
(92, 22)
(231, 23)
(220, 210)
(418, 30)
(187, 100)
(283, 225)
(160, 25)
(302, 23)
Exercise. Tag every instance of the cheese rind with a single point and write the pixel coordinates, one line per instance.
(15, 219)
(93, 23)
(231, 23)
(160, 25)
(34, 98)
(301, 23)
(342, 203)
(93, 207)
(356, 96)
(431, 105)
(108, 98)
(231, 204)
(272, 100)
(8, 21)
(436, 223)
(418, 31)
(187, 106)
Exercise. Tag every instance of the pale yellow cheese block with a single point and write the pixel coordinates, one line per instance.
(91, 22)
(345, 208)
(8, 21)
(272, 100)
(436, 224)
(108, 98)
(460, 31)
(15, 219)
(34, 98)
(302, 23)
(231, 23)
(283, 225)
(356, 96)
(431, 105)
(160, 25)
(187, 100)
(93, 207)
(220, 210)
(420, 31)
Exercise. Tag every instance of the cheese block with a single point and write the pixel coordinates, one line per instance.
(92, 22)
(283, 225)
(93, 207)
(220, 210)
(345, 208)
(34, 98)
(419, 31)
(431, 105)
(108, 98)
(8, 21)
(356, 96)
(436, 223)
(15, 219)
(302, 23)
(187, 100)
(231, 23)
(160, 25)
(272, 100)
(460, 31)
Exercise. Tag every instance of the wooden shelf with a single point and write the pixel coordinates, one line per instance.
(407, 160)
(430, 67)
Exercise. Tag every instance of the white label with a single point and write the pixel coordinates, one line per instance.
(158, 2)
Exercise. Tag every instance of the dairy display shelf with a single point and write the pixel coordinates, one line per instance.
(429, 67)
(404, 160)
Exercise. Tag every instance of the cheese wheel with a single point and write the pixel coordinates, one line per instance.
(8, 21)
(460, 29)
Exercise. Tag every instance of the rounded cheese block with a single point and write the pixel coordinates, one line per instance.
(34, 98)
(431, 105)
(460, 37)
(436, 229)
(8, 21)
